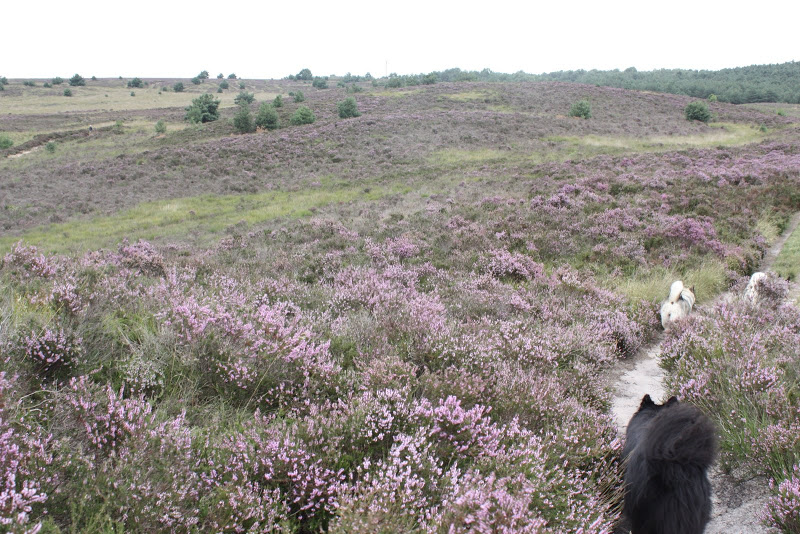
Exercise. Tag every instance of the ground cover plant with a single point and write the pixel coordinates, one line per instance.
(399, 322)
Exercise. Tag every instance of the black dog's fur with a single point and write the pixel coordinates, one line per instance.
(668, 449)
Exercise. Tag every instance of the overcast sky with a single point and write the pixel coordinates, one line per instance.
(174, 38)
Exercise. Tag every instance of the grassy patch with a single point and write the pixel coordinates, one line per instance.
(725, 134)
(708, 279)
(89, 98)
(202, 218)
(472, 96)
(787, 264)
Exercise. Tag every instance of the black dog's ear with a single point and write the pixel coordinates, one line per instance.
(672, 400)
(691, 289)
(646, 401)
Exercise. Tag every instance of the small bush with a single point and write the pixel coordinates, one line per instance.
(133, 93)
(299, 96)
(29, 84)
(697, 111)
(136, 82)
(94, 78)
(77, 81)
(267, 117)
(3, 80)
(178, 87)
(196, 81)
(242, 85)
(219, 89)
(304, 74)
(204, 108)
(224, 84)
(712, 98)
(67, 92)
(5, 142)
(581, 108)
(278, 102)
(231, 76)
(320, 83)
(303, 115)
(348, 108)
(429, 79)
(244, 98)
(50, 147)
(220, 76)
(243, 120)
(203, 75)
(57, 80)
(161, 127)
(781, 113)
(47, 85)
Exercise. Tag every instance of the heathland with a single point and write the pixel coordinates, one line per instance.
(397, 321)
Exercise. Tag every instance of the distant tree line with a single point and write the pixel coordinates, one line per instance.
(756, 83)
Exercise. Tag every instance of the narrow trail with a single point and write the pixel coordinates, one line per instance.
(736, 505)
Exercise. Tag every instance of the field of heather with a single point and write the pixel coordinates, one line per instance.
(398, 322)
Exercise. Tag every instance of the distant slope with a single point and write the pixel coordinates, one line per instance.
(756, 83)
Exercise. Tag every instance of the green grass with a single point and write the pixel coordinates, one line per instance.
(723, 134)
(709, 279)
(787, 264)
(202, 219)
(455, 156)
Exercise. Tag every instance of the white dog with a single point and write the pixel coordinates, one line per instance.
(678, 305)
(753, 290)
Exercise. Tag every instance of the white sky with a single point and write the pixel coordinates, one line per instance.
(269, 39)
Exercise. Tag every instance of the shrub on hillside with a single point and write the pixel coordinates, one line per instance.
(161, 127)
(57, 80)
(67, 92)
(178, 87)
(29, 84)
(304, 74)
(204, 108)
(203, 75)
(303, 115)
(267, 117)
(242, 85)
(77, 80)
(244, 98)
(348, 108)
(278, 102)
(50, 147)
(220, 76)
(47, 85)
(231, 76)
(3, 80)
(243, 120)
(5, 142)
(697, 111)
(320, 83)
(196, 81)
(136, 82)
(299, 96)
(223, 84)
(581, 108)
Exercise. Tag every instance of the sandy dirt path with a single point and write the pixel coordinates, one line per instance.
(736, 505)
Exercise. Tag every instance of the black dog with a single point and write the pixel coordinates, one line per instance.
(668, 449)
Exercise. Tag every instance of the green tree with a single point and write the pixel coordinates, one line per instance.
(697, 111)
(57, 80)
(67, 92)
(278, 102)
(231, 76)
(203, 75)
(267, 117)
(244, 97)
(299, 96)
(178, 87)
(136, 82)
(161, 127)
(77, 80)
(348, 108)
(581, 108)
(243, 120)
(5, 142)
(304, 74)
(204, 108)
(196, 80)
(303, 115)
(223, 84)
(320, 83)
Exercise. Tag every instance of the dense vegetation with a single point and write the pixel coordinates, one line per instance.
(397, 321)
(756, 83)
